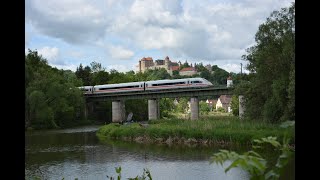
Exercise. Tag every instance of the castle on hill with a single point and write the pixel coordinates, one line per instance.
(148, 63)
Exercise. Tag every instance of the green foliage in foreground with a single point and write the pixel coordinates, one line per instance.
(216, 129)
(254, 163)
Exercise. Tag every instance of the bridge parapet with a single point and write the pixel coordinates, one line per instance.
(166, 93)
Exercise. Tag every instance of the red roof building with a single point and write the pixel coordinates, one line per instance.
(188, 71)
(175, 68)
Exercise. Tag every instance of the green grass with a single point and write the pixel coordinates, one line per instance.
(215, 129)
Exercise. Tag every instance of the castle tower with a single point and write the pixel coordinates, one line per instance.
(167, 62)
(145, 63)
(142, 65)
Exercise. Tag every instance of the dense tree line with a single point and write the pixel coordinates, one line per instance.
(269, 89)
(51, 97)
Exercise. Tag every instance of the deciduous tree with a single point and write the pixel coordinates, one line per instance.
(270, 95)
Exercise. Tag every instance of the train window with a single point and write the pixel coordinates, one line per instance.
(195, 82)
(166, 84)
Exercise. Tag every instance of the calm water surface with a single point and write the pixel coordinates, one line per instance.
(77, 153)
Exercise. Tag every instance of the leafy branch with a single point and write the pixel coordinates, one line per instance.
(253, 162)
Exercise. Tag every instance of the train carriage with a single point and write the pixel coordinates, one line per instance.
(199, 82)
(176, 83)
(122, 87)
(165, 84)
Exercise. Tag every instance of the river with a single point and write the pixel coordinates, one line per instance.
(78, 153)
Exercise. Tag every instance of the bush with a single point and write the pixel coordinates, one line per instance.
(204, 108)
(221, 109)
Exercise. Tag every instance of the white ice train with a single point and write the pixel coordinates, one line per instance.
(146, 85)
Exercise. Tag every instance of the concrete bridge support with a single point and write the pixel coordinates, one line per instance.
(118, 111)
(86, 111)
(88, 108)
(153, 109)
(241, 106)
(194, 106)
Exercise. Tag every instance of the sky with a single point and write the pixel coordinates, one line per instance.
(118, 33)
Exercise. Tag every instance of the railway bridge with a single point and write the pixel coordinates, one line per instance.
(118, 99)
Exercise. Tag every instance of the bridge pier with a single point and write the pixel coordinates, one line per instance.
(241, 106)
(118, 111)
(85, 111)
(194, 106)
(153, 109)
(88, 108)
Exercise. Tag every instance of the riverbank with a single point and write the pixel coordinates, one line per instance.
(222, 130)
(73, 124)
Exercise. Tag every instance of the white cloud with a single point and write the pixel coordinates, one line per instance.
(159, 13)
(219, 30)
(231, 67)
(73, 21)
(76, 54)
(118, 67)
(118, 52)
(51, 54)
(206, 30)
(71, 67)
(110, 3)
(160, 38)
